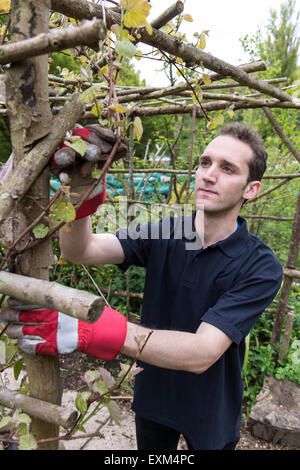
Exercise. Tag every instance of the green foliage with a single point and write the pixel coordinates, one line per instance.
(278, 44)
(261, 356)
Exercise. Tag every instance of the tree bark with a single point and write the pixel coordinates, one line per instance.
(89, 34)
(74, 302)
(81, 9)
(53, 414)
(30, 118)
(168, 15)
(33, 162)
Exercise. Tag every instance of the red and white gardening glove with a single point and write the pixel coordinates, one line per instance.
(67, 164)
(48, 332)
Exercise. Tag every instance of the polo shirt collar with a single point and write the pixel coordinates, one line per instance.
(232, 246)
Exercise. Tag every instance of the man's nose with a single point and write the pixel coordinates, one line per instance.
(211, 174)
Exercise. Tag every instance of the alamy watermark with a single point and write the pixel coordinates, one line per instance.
(152, 221)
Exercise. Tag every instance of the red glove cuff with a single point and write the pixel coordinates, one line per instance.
(91, 205)
(104, 338)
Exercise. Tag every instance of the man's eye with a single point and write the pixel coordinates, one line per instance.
(228, 169)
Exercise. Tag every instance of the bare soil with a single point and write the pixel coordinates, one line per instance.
(73, 367)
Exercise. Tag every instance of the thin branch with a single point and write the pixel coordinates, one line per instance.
(168, 15)
(281, 134)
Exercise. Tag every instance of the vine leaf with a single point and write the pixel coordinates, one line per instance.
(125, 48)
(81, 402)
(136, 12)
(4, 421)
(188, 17)
(27, 442)
(40, 231)
(114, 411)
(77, 144)
(138, 127)
(89, 95)
(65, 212)
(18, 367)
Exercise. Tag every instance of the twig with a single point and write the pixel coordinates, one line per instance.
(189, 85)
(97, 287)
(30, 227)
(53, 439)
(98, 397)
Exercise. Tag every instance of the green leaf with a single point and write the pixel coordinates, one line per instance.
(96, 173)
(23, 418)
(206, 79)
(219, 120)
(81, 402)
(125, 48)
(22, 428)
(65, 212)
(197, 95)
(40, 231)
(89, 95)
(212, 125)
(78, 144)
(114, 411)
(27, 442)
(138, 127)
(18, 367)
(4, 421)
(101, 387)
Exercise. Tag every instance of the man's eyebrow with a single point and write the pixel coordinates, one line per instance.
(223, 161)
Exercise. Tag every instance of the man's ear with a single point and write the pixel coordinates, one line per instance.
(251, 190)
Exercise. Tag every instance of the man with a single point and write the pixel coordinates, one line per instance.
(198, 303)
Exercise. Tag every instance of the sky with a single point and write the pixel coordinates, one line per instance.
(227, 22)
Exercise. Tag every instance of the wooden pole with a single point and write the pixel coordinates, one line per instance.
(89, 34)
(168, 15)
(287, 280)
(30, 165)
(76, 303)
(48, 412)
(172, 45)
(30, 120)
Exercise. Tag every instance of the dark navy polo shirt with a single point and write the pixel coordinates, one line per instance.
(228, 284)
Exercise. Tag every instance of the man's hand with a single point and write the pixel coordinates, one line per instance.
(48, 332)
(79, 171)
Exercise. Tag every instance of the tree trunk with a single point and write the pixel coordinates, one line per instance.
(287, 281)
(30, 119)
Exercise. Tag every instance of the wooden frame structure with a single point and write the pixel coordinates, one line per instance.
(38, 125)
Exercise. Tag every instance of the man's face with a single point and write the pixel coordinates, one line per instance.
(220, 182)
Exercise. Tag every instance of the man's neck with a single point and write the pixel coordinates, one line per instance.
(215, 227)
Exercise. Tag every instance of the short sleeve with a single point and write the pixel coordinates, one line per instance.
(136, 245)
(238, 309)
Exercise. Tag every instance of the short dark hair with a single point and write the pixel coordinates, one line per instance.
(248, 135)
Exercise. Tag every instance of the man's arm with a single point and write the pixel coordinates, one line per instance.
(80, 245)
(44, 331)
(178, 350)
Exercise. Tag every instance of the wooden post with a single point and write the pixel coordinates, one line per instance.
(287, 335)
(30, 119)
(287, 280)
(74, 302)
(58, 415)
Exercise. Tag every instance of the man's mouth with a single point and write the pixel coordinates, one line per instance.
(208, 191)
